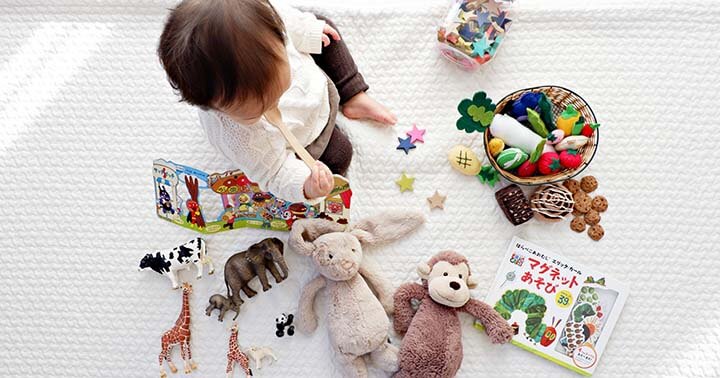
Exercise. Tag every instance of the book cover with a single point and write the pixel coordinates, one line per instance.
(560, 310)
(210, 203)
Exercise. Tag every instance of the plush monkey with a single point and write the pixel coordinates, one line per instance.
(432, 346)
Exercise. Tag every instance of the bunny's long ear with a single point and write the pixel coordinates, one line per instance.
(387, 227)
(305, 231)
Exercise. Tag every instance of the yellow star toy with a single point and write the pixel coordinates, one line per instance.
(405, 183)
(437, 201)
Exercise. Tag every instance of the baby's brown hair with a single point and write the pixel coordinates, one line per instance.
(219, 52)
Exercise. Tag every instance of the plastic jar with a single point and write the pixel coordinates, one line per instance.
(473, 31)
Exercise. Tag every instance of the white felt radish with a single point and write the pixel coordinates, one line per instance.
(514, 134)
(572, 142)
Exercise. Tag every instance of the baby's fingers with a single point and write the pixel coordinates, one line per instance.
(329, 30)
(325, 40)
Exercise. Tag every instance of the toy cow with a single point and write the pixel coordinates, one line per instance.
(168, 262)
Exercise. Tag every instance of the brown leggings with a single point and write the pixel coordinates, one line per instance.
(339, 66)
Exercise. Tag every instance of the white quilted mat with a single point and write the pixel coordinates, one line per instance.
(84, 109)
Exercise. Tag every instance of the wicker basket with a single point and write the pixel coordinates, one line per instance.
(560, 97)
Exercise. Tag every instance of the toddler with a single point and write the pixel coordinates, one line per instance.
(238, 60)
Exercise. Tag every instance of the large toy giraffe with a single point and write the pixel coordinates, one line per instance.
(234, 354)
(179, 335)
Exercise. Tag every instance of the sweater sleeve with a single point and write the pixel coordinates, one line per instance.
(265, 161)
(304, 29)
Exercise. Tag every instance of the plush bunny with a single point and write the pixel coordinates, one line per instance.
(358, 323)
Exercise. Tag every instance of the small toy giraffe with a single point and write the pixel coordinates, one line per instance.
(234, 354)
(179, 335)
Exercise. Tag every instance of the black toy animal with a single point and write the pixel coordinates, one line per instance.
(285, 320)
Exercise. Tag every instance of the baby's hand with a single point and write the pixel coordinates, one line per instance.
(329, 31)
(320, 182)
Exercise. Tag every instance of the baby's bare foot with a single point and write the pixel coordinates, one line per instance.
(363, 106)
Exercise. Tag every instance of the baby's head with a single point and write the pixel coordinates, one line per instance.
(227, 55)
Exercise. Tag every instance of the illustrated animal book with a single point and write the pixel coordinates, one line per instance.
(216, 202)
(559, 310)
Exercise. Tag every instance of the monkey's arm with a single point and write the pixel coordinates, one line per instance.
(496, 327)
(403, 308)
(380, 286)
(307, 319)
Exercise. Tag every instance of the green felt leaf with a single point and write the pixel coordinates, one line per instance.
(546, 112)
(555, 165)
(476, 113)
(488, 175)
(466, 124)
(537, 123)
(569, 112)
(479, 114)
(535, 156)
(578, 126)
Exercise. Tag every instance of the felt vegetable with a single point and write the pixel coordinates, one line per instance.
(464, 160)
(570, 159)
(588, 129)
(573, 142)
(488, 175)
(578, 126)
(511, 158)
(537, 124)
(476, 113)
(526, 169)
(545, 108)
(555, 136)
(495, 146)
(527, 100)
(567, 119)
(514, 134)
(549, 163)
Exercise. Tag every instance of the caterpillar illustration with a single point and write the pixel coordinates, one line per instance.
(531, 304)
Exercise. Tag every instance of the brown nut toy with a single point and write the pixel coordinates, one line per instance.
(596, 232)
(592, 217)
(599, 204)
(583, 203)
(577, 224)
(588, 184)
(572, 185)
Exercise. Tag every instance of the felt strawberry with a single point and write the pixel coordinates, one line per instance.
(526, 169)
(549, 163)
(589, 129)
(570, 159)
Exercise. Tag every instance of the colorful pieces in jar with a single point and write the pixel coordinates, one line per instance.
(473, 31)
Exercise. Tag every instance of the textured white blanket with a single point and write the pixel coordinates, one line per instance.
(84, 109)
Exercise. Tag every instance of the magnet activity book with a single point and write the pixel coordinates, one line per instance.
(559, 310)
(216, 202)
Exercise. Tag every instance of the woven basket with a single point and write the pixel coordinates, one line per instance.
(560, 97)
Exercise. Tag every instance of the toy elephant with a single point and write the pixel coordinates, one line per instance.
(224, 304)
(357, 319)
(243, 267)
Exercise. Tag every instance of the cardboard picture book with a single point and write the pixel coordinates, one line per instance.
(560, 310)
(216, 202)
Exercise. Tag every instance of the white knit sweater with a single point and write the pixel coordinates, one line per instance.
(259, 149)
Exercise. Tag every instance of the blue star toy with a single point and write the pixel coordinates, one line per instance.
(405, 145)
(480, 46)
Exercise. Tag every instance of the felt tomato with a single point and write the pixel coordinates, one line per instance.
(526, 169)
(549, 163)
(570, 159)
(589, 129)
